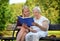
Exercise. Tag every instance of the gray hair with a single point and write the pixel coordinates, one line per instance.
(37, 8)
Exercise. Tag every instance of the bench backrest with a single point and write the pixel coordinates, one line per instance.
(54, 27)
(51, 27)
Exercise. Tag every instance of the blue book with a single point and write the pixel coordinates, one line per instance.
(27, 21)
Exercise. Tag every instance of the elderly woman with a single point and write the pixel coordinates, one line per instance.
(39, 28)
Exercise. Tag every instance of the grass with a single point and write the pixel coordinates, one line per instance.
(9, 34)
(57, 33)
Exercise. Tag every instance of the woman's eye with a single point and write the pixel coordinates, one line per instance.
(26, 11)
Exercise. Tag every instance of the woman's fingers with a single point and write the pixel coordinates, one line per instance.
(34, 31)
(24, 25)
(33, 24)
(27, 30)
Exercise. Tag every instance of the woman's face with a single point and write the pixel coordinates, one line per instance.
(26, 12)
(35, 13)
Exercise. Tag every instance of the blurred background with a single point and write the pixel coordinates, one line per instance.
(10, 9)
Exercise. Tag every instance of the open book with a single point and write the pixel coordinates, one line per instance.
(27, 21)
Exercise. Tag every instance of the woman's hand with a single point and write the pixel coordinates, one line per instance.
(27, 30)
(34, 24)
(24, 25)
(33, 30)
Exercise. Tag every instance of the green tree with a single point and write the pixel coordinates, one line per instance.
(16, 10)
(5, 14)
(59, 11)
(49, 8)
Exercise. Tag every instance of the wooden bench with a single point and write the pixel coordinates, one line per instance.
(52, 27)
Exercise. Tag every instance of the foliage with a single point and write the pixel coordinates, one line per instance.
(5, 14)
(16, 10)
(49, 9)
(9, 13)
(59, 11)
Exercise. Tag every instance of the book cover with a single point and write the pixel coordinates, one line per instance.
(27, 21)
